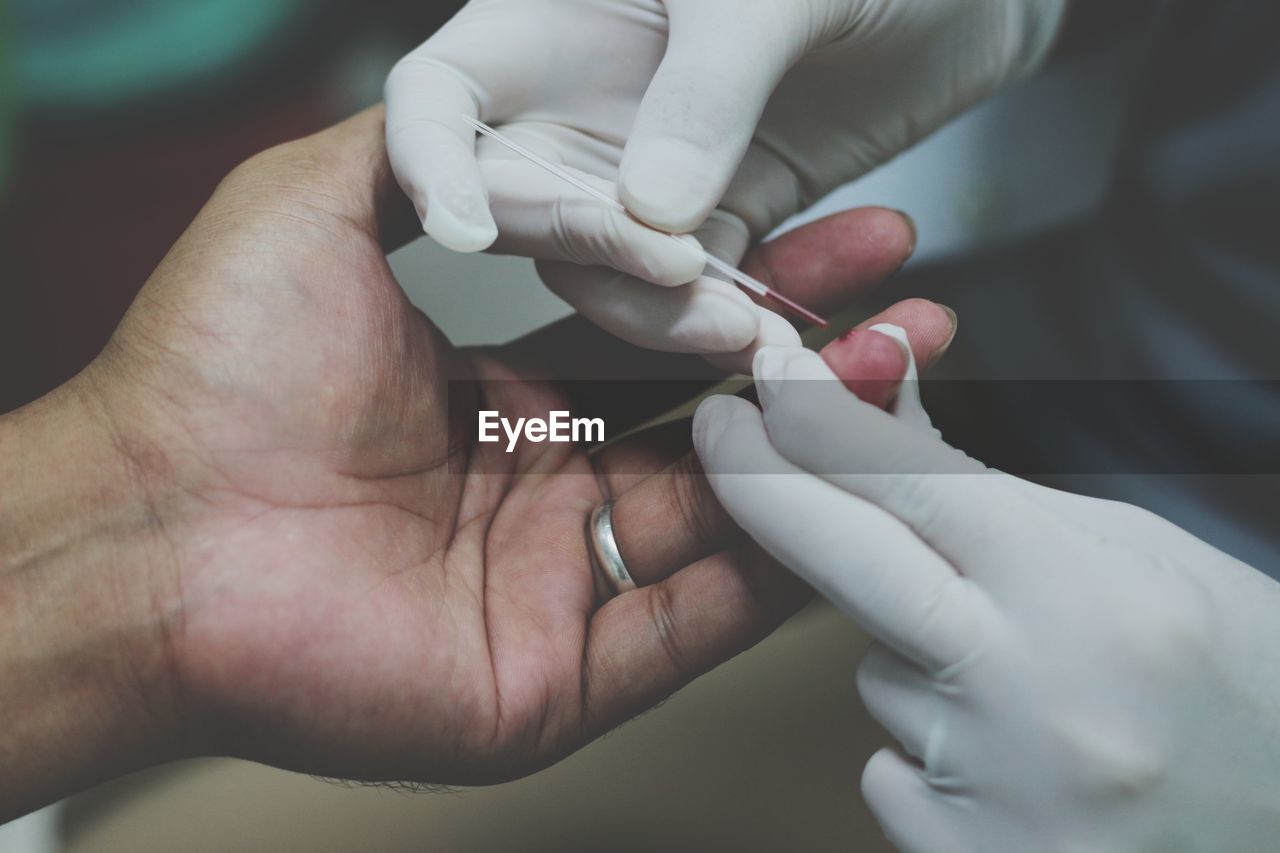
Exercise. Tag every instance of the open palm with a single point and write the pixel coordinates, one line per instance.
(358, 590)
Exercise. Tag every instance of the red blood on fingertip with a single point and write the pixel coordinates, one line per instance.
(870, 365)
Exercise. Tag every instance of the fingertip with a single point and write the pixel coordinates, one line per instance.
(778, 363)
(722, 319)
(869, 364)
(470, 234)
(955, 330)
(439, 172)
(894, 332)
(931, 328)
(770, 363)
(661, 188)
(661, 259)
(693, 264)
(777, 368)
(711, 420)
(863, 353)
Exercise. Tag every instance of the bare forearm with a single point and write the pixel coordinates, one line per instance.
(81, 672)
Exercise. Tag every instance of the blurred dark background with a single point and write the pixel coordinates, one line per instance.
(118, 118)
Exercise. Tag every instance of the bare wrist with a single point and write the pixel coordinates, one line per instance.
(87, 603)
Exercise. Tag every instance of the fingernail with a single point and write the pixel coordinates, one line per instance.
(710, 422)
(698, 261)
(955, 328)
(716, 321)
(459, 218)
(770, 370)
(658, 194)
(899, 335)
(915, 231)
(902, 347)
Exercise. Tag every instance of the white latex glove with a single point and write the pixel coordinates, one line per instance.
(1061, 673)
(674, 99)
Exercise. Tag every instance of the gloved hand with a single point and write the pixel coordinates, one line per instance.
(1060, 673)
(754, 107)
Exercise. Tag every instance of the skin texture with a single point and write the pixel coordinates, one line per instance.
(245, 530)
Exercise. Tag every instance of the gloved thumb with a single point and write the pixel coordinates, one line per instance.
(724, 59)
(432, 152)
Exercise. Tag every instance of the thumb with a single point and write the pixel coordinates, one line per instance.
(339, 177)
(432, 151)
(724, 59)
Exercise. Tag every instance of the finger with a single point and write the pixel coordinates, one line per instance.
(908, 810)
(606, 377)
(906, 406)
(624, 465)
(802, 259)
(870, 364)
(901, 698)
(843, 256)
(670, 520)
(341, 174)
(710, 317)
(648, 643)
(856, 555)
(726, 236)
(539, 217)
(432, 152)
(862, 246)
(705, 317)
(952, 502)
(666, 520)
(930, 329)
(700, 112)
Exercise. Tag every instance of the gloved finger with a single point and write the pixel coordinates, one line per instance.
(708, 317)
(774, 331)
(856, 555)
(539, 217)
(901, 698)
(705, 317)
(951, 501)
(432, 152)
(726, 237)
(666, 520)
(701, 110)
(766, 191)
(825, 264)
(908, 810)
(907, 406)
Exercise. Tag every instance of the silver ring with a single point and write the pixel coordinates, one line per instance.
(604, 549)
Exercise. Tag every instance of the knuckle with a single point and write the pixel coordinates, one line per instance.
(1174, 632)
(1106, 760)
(564, 237)
(919, 493)
(666, 627)
(950, 624)
(694, 503)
